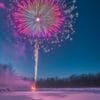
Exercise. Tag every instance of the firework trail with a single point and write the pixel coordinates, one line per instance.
(36, 48)
(45, 23)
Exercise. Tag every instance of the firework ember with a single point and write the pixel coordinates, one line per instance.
(44, 23)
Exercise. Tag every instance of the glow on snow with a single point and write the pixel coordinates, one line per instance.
(45, 23)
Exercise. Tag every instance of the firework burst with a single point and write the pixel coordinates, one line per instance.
(45, 23)
(37, 18)
(48, 21)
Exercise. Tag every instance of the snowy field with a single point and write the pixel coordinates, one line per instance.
(54, 94)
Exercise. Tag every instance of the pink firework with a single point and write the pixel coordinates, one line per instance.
(37, 18)
(43, 23)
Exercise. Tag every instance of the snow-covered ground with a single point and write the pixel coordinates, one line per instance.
(54, 94)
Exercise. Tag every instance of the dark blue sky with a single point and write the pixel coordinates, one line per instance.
(82, 55)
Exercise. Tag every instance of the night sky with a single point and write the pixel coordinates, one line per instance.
(81, 55)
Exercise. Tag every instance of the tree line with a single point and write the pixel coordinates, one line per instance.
(74, 81)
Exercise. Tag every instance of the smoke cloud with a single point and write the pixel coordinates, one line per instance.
(2, 5)
(9, 80)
